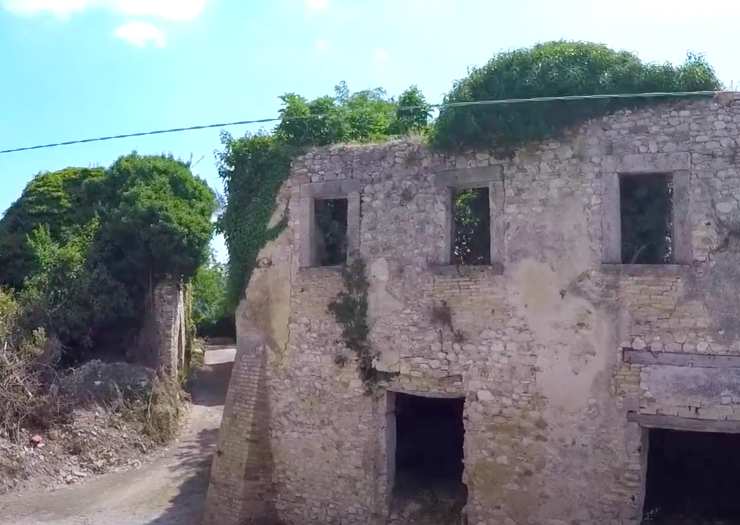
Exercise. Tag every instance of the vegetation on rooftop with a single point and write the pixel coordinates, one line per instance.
(555, 69)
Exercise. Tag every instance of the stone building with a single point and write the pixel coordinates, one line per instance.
(562, 377)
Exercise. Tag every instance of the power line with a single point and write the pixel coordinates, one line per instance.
(403, 108)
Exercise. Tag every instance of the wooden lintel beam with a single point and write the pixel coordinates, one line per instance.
(647, 357)
(684, 423)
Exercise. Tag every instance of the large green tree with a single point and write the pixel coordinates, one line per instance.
(58, 200)
(95, 242)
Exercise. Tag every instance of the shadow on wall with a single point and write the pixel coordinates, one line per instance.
(194, 457)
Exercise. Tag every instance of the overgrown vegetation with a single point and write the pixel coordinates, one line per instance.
(81, 251)
(555, 69)
(82, 248)
(23, 372)
(350, 311)
(472, 227)
(254, 167)
(211, 317)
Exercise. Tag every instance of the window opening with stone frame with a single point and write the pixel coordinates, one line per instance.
(471, 227)
(330, 218)
(646, 213)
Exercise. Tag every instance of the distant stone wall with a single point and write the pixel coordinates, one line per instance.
(162, 339)
(553, 407)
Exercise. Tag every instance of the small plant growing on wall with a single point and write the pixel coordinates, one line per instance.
(350, 311)
(441, 316)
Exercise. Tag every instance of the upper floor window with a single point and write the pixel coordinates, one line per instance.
(646, 213)
(328, 222)
(646, 209)
(330, 219)
(471, 223)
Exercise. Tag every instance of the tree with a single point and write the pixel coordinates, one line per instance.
(210, 315)
(554, 69)
(57, 200)
(95, 242)
(413, 112)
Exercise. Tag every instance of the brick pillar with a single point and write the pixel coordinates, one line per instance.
(161, 340)
(240, 489)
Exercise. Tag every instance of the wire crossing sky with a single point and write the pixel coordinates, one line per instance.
(471, 104)
(74, 70)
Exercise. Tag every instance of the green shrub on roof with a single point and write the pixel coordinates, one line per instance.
(555, 69)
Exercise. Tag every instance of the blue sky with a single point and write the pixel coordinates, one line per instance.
(79, 68)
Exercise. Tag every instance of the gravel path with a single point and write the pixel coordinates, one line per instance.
(170, 490)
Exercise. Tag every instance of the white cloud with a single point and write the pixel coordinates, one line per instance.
(141, 34)
(317, 5)
(321, 45)
(175, 10)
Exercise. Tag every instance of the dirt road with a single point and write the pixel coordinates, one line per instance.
(167, 491)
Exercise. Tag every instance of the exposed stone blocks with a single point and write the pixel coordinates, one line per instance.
(161, 341)
(537, 339)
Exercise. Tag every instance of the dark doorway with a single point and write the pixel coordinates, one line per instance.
(646, 206)
(330, 216)
(472, 227)
(692, 477)
(429, 455)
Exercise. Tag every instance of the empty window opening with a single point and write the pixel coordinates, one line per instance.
(692, 477)
(429, 457)
(330, 216)
(471, 227)
(646, 204)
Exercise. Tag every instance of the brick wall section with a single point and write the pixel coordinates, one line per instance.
(161, 341)
(547, 394)
(241, 490)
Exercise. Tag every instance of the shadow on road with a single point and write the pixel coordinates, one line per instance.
(208, 389)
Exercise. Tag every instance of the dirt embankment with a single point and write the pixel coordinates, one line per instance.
(164, 488)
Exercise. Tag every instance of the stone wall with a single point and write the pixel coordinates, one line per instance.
(162, 338)
(555, 413)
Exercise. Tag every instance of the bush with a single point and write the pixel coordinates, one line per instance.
(211, 317)
(162, 411)
(94, 243)
(554, 69)
(24, 372)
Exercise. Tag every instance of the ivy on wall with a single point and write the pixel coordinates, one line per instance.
(254, 167)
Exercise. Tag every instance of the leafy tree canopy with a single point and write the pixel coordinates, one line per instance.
(93, 242)
(59, 200)
(210, 315)
(555, 69)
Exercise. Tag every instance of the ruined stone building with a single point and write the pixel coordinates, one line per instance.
(552, 364)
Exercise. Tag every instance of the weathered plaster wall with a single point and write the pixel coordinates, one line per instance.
(547, 392)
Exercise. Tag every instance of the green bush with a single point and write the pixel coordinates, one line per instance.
(554, 69)
(56, 200)
(210, 315)
(93, 243)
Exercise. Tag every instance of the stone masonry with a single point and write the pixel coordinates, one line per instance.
(161, 341)
(568, 356)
